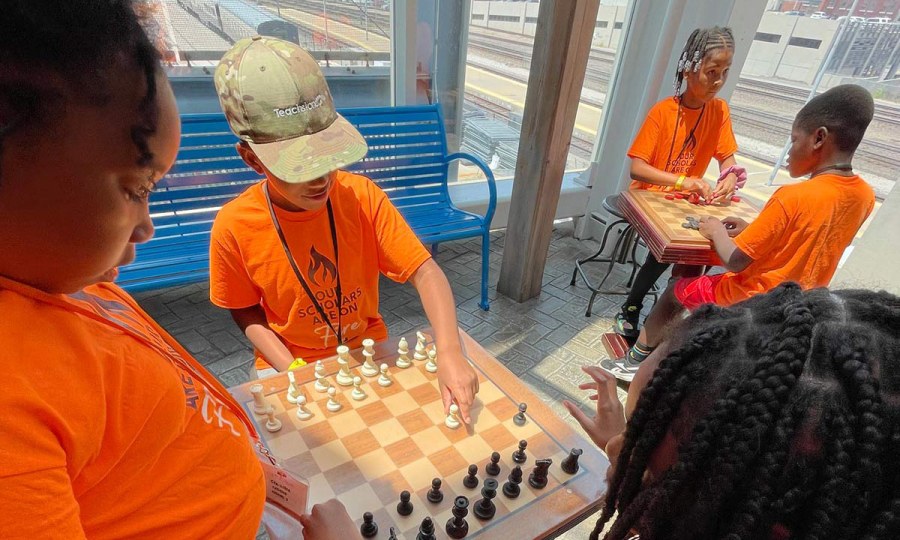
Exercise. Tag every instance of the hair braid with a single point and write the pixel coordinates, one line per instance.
(700, 43)
(826, 510)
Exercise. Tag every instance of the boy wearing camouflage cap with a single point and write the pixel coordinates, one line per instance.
(296, 258)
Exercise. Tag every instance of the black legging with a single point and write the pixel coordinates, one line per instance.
(649, 274)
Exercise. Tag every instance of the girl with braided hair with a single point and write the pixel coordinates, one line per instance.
(674, 146)
(777, 418)
(110, 428)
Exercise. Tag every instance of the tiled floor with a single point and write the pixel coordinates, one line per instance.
(545, 341)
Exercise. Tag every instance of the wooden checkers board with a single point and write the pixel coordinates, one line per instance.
(395, 440)
(658, 221)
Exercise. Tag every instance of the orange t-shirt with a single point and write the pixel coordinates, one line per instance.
(248, 265)
(108, 434)
(799, 236)
(713, 138)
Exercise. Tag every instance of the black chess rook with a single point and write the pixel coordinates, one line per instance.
(493, 468)
(426, 530)
(471, 481)
(519, 455)
(457, 526)
(538, 477)
(369, 528)
(570, 464)
(511, 487)
(485, 509)
(434, 494)
(404, 507)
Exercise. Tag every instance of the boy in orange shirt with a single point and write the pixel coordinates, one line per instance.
(296, 258)
(800, 234)
(109, 428)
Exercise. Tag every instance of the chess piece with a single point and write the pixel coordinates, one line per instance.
(293, 391)
(302, 412)
(384, 379)
(320, 369)
(493, 468)
(519, 419)
(333, 404)
(426, 530)
(538, 477)
(485, 509)
(392, 535)
(358, 393)
(434, 494)
(369, 528)
(344, 377)
(519, 455)
(457, 526)
(404, 507)
(420, 353)
(431, 364)
(369, 369)
(322, 384)
(471, 481)
(403, 361)
(511, 487)
(452, 420)
(259, 400)
(570, 464)
(272, 424)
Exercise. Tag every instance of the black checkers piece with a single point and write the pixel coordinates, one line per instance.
(434, 494)
(570, 464)
(538, 477)
(457, 526)
(511, 487)
(519, 455)
(519, 419)
(493, 468)
(485, 509)
(471, 481)
(369, 528)
(426, 530)
(404, 507)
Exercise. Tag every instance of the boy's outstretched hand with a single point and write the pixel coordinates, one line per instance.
(610, 418)
(709, 226)
(734, 225)
(458, 382)
(329, 521)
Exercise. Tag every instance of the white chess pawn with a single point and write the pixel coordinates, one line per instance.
(272, 424)
(384, 379)
(358, 393)
(403, 350)
(259, 400)
(431, 364)
(420, 347)
(302, 412)
(452, 420)
(369, 369)
(333, 404)
(293, 388)
(322, 384)
(320, 369)
(344, 377)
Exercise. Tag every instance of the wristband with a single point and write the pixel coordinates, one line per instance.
(298, 362)
(679, 182)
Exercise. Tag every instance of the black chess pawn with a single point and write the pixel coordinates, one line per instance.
(511, 487)
(457, 526)
(519, 455)
(519, 419)
(471, 481)
(404, 507)
(485, 509)
(570, 464)
(392, 534)
(434, 494)
(538, 477)
(493, 468)
(369, 528)
(426, 530)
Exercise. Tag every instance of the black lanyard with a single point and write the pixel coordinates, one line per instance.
(686, 139)
(290, 257)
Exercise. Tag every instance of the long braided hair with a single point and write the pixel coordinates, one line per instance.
(786, 409)
(701, 42)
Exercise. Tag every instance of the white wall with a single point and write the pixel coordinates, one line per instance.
(785, 61)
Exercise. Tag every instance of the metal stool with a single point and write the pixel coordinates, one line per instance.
(627, 241)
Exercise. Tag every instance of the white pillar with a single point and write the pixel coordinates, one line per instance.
(403, 52)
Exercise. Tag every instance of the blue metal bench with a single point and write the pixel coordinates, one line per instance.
(407, 158)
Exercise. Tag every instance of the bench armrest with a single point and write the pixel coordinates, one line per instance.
(492, 185)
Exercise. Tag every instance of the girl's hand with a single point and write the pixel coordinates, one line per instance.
(696, 185)
(609, 420)
(458, 382)
(724, 190)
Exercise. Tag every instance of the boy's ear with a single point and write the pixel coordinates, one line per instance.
(819, 136)
(249, 157)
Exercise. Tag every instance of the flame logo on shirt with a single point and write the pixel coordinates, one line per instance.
(320, 264)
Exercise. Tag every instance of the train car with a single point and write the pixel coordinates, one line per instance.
(236, 19)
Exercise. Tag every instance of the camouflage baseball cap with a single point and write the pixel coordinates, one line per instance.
(275, 97)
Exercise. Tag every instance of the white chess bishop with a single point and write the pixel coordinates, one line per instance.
(420, 353)
(431, 365)
(320, 369)
(369, 369)
(322, 384)
(344, 377)
(385, 378)
(403, 361)
(293, 388)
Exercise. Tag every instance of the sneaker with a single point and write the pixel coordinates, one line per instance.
(621, 368)
(626, 322)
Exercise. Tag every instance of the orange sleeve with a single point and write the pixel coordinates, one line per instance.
(726, 146)
(400, 253)
(230, 286)
(645, 142)
(765, 231)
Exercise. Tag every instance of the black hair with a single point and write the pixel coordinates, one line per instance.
(846, 111)
(785, 409)
(82, 41)
(700, 43)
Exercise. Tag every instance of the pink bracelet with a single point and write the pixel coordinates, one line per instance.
(738, 171)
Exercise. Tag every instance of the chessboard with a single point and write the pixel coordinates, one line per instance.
(659, 220)
(396, 439)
